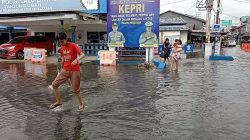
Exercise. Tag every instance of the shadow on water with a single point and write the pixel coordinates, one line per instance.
(204, 100)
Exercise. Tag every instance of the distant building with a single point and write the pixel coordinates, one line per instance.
(174, 25)
(244, 29)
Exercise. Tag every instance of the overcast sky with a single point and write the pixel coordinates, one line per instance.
(231, 9)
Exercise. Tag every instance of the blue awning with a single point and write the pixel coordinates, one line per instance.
(15, 28)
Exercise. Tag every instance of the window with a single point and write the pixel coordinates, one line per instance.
(97, 37)
(31, 39)
(93, 37)
(17, 40)
(41, 39)
(39, 33)
(50, 35)
(103, 37)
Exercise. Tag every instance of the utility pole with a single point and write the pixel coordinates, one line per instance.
(209, 6)
(216, 22)
(218, 12)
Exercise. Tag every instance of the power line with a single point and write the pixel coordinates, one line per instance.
(221, 8)
(173, 2)
(231, 15)
(190, 8)
(243, 1)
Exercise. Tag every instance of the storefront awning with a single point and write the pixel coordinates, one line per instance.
(50, 19)
(174, 28)
(198, 33)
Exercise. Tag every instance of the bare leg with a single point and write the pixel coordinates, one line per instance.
(168, 61)
(75, 83)
(171, 65)
(80, 101)
(58, 98)
(57, 95)
(61, 77)
(176, 64)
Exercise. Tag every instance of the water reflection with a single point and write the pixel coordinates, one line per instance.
(25, 69)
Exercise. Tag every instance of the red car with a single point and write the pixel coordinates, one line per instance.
(14, 48)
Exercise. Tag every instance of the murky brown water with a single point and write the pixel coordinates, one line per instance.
(204, 101)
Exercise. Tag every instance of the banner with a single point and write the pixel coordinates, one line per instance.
(34, 6)
(133, 23)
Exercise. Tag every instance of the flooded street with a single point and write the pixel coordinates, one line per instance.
(205, 100)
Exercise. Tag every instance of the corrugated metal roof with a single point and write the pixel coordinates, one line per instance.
(172, 21)
(204, 21)
(174, 28)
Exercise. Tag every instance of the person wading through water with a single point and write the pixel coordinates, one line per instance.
(70, 70)
(166, 50)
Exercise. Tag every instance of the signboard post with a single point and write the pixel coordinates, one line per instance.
(216, 30)
(134, 24)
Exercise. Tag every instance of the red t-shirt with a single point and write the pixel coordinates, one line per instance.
(69, 54)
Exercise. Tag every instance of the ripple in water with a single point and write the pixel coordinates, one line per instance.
(204, 100)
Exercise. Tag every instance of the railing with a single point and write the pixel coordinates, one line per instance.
(91, 49)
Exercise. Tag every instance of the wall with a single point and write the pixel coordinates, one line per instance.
(171, 35)
(184, 37)
(91, 28)
(83, 28)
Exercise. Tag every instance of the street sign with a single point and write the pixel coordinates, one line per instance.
(216, 28)
(189, 48)
(226, 23)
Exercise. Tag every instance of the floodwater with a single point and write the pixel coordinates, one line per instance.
(205, 100)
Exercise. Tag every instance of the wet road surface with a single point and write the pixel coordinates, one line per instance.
(205, 100)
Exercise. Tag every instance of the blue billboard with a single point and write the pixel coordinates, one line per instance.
(133, 23)
(34, 6)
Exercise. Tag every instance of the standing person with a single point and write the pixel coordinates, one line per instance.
(70, 70)
(179, 49)
(166, 50)
(59, 66)
(174, 57)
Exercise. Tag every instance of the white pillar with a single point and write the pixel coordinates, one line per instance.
(208, 50)
(111, 48)
(149, 54)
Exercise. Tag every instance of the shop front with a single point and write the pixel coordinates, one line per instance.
(16, 31)
(82, 20)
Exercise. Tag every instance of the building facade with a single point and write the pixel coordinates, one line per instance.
(86, 24)
(174, 25)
